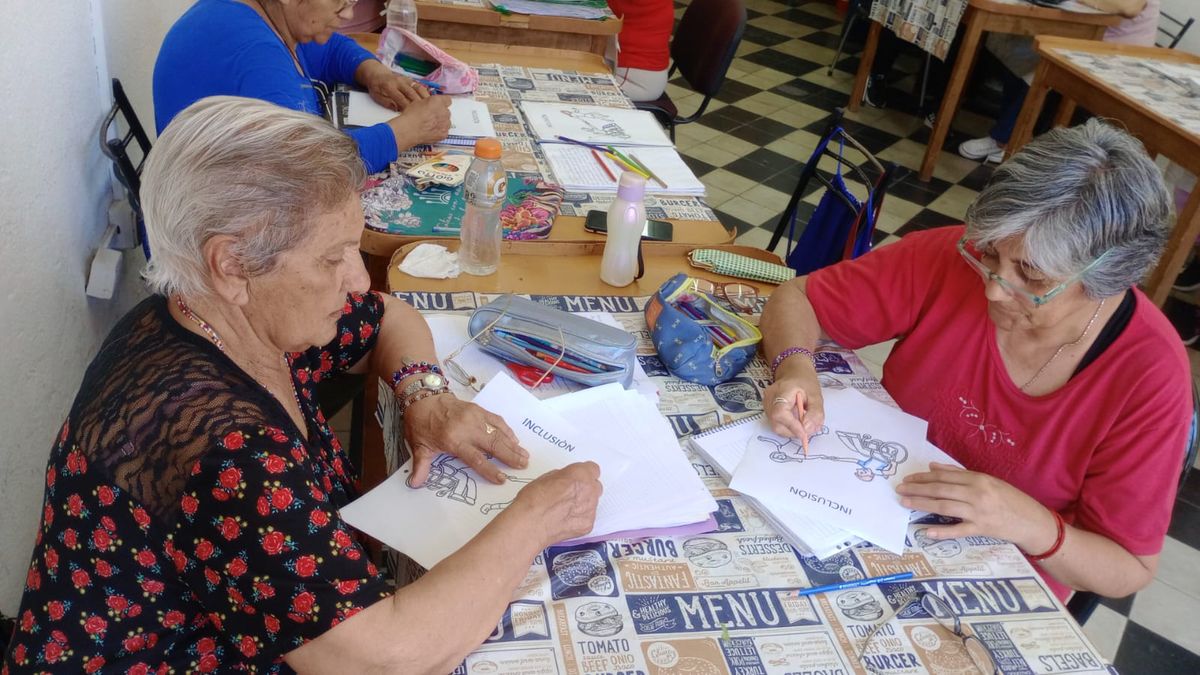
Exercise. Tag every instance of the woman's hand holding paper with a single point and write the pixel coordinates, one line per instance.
(561, 502)
(986, 506)
(444, 423)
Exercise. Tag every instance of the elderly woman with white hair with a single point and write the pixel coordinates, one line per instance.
(1025, 344)
(191, 515)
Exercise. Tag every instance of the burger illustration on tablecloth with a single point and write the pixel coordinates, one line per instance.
(707, 552)
(598, 619)
(860, 606)
(576, 568)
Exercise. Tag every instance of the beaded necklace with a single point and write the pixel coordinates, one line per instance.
(220, 344)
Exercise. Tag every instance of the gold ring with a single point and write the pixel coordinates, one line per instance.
(489, 429)
(779, 400)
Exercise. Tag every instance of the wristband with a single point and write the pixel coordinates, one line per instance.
(414, 368)
(420, 395)
(1058, 541)
(787, 353)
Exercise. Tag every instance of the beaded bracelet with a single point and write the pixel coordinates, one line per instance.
(414, 368)
(420, 395)
(1058, 541)
(787, 353)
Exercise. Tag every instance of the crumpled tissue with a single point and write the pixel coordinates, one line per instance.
(430, 261)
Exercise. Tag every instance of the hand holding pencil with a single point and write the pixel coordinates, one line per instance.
(795, 408)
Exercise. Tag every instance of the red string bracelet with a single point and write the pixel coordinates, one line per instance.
(1058, 541)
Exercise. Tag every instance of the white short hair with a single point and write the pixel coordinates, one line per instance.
(241, 167)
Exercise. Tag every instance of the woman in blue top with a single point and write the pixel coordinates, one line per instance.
(286, 52)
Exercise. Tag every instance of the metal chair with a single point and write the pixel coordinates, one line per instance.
(116, 147)
(1083, 603)
(861, 10)
(866, 213)
(1173, 30)
(702, 48)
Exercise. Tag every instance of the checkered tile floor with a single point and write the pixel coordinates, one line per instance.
(749, 148)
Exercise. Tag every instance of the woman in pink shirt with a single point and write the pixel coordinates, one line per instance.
(1023, 341)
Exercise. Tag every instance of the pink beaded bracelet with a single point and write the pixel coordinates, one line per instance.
(787, 353)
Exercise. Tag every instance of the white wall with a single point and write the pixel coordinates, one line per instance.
(54, 193)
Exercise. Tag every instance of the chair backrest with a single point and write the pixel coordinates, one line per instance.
(705, 41)
(841, 228)
(116, 147)
(1171, 30)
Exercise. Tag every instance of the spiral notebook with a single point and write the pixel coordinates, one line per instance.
(723, 448)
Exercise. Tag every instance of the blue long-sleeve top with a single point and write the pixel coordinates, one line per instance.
(223, 47)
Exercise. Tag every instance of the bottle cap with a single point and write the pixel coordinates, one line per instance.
(487, 148)
(631, 187)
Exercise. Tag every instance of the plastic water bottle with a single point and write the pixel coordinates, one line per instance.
(402, 14)
(626, 219)
(485, 187)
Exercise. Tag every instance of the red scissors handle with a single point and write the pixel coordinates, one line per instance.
(529, 375)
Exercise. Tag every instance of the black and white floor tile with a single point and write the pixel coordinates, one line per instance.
(748, 149)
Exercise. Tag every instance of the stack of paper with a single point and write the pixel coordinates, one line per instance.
(577, 168)
(848, 477)
(647, 481)
(724, 448)
(576, 9)
(594, 124)
(469, 119)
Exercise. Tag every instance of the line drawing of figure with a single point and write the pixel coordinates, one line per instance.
(879, 458)
(500, 506)
(449, 479)
(597, 123)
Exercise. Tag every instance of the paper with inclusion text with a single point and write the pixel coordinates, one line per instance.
(849, 476)
(431, 522)
(468, 118)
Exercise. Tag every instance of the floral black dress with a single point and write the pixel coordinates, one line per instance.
(187, 523)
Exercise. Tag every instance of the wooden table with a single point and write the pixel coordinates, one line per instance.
(378, 247)
(438, 21)
(1161, 132)
(998, 16)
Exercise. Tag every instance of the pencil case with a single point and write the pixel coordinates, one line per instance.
(414, 56)
(697, 338)
(740, 266)
(529, 333)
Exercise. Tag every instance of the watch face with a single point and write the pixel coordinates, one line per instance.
(433, 380)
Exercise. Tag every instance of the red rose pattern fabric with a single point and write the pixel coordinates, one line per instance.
(187, 524)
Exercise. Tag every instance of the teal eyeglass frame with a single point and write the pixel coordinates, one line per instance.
(1032, 299)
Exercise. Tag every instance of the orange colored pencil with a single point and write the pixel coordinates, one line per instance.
(604, 165)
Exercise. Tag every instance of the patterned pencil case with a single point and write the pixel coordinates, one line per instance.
(740, 266)
(697, 339)
(529, 333)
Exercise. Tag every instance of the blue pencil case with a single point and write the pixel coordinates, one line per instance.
(529, 333)
(697, 338)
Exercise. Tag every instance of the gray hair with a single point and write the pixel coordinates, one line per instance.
(1076, 194)
(241, 167)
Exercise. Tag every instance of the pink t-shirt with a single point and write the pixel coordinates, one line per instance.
(1140, 30)
(1105, 450)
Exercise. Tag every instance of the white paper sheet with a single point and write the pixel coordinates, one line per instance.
(594, 124)
(576, 168)
(848, 478)
(468, 118)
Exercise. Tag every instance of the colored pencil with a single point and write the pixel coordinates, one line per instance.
(626, 162)
(603, 164)
(437, 88)
(572, 141)
(646, 168)
(901, 576)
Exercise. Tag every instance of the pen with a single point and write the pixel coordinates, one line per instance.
(437, 88)
(900, 576)
(572, 141)
(603, 164)
(646, 169)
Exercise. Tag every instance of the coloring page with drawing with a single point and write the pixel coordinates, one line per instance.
(849, 476)
(455, 502)
(594, 124)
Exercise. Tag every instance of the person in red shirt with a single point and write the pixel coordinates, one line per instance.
(643, 46)
(1023, 341)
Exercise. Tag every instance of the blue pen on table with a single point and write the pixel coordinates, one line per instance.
(434, 86)
(899, 576)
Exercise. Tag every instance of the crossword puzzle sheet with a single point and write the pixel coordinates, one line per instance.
(721, 603)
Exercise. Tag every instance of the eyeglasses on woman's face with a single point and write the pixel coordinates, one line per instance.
(1024, 291)
(945, 616)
